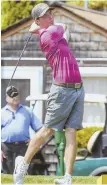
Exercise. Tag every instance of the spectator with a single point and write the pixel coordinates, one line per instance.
(18, 125)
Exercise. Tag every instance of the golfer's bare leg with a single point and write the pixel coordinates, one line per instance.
(39, 139)
(70, 150)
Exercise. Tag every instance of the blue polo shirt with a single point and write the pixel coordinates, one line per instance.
(18, 125)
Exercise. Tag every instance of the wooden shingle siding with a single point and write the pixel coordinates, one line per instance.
(16, 53)
(18, 45)
(25, 62)
(50, 150)
(13, 45)
(52, 168)
(48, 79)
(50, 157)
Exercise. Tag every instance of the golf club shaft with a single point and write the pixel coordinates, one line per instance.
(29, 37)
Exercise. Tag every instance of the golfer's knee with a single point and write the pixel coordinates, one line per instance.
(44, 133)
(47, 132)
(70, 134)
(70, 130)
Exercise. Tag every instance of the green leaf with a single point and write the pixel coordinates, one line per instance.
(13, 11)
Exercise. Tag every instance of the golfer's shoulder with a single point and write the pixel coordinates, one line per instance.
(54, 28)
(48, 31)
(45, 36)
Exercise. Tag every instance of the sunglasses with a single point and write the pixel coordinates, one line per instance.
(16, 99)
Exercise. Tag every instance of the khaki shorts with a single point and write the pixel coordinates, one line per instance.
(65, 108)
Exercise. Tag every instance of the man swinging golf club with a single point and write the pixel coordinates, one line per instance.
(66, 98)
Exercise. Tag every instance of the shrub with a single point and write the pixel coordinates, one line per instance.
(84, 135)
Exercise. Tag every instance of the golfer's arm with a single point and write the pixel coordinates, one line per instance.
(66, 30)
(67, 34)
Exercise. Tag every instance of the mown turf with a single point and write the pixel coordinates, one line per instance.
(7, 179)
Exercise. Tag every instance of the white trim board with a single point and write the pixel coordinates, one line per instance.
(93, 71)
(42, 58)
(85, 71)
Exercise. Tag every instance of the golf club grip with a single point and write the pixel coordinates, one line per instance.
(28, 39)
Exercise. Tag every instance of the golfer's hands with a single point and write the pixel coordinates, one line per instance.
(34, 28)
(2, 156)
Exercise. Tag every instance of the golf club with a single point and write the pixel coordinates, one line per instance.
(28, 39)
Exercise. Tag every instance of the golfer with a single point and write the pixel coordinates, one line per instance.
(66, 98)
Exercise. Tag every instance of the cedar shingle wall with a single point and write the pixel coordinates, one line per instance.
(13, 45)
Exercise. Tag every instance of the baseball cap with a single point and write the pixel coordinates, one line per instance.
(40, 9)
(12, 92)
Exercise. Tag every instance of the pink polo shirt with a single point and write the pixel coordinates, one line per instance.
(55, 47)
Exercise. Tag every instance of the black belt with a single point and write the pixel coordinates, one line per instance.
(16, 143)
(68, 85)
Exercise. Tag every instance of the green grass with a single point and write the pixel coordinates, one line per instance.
(7, 179)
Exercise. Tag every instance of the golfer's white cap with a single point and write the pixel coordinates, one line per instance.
(40, 9)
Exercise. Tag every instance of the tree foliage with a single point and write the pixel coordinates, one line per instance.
(93, 4)
(13, 11)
